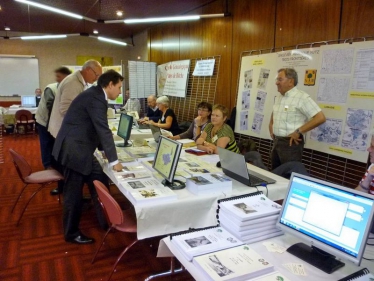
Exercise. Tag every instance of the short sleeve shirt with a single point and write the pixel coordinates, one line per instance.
(291, 111)
(225, 131)
(371, 187)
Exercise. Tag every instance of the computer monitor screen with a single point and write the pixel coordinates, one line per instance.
(124, 129)
(333, 219)
(28, 101)
(166, 161)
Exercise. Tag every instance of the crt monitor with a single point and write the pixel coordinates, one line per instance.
(333, 220)
(28, 101)
(124, 129)
(166, 161)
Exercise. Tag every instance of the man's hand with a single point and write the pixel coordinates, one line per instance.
(294, 137)
(118, 167)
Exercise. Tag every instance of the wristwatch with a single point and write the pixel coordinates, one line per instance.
(298, 131)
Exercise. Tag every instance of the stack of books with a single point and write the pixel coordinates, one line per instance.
(250, 217)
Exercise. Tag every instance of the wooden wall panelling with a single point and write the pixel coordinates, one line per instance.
(357, 18)
(155, 43)
(191, 38)
(252, 29)
(170, 42)
(306, 21)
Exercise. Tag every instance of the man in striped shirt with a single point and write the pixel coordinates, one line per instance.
(294, 114)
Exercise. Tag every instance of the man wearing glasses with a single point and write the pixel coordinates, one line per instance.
(294, 114)
(69, 89)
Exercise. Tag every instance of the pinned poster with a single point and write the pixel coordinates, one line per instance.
(204, 68)
(177, 78)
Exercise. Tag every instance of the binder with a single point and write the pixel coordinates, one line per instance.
(361, 275)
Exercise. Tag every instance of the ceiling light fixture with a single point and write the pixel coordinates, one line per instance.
(95, 31)
(55, 10)
(163, 19)
(119, 13)
(43, 37)
(112, 41)
(7, 28)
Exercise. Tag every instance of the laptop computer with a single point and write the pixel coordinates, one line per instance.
(156, 132)
(28, 101)
(140, 126)
(234, 166)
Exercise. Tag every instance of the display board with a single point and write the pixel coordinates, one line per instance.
(18, 76)
(142, 78)
(338, 77)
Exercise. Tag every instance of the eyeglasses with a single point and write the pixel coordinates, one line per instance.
(202, 109)
(280, 79)
(97, 75)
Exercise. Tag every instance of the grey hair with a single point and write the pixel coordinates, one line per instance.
(91, 64)
(163, 100)
(290, 73)
(153, 97)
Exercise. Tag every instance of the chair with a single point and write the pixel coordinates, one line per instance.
(24, 171)
(124, 221)
(24, 119)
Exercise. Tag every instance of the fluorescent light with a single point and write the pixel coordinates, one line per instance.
(43, 37)
(181, 18)
(112, 41)
(45, 7)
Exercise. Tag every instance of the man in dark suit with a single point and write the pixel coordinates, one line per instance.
(83, 129)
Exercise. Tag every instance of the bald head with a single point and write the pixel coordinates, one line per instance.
(151, 101)
(91, 71)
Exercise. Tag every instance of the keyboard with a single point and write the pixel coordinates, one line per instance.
(255, 180)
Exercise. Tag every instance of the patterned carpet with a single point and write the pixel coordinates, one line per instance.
(36, 250)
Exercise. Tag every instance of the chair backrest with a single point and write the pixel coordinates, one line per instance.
(111, 208)
(23, 115)
(23, 168)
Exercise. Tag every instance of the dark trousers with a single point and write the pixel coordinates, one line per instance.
(282, 152)
(46, 145)
(73, 195)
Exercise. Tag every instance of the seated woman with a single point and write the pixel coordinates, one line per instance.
(204, 110)
(367, 182)
(168, 120)
(217, 133)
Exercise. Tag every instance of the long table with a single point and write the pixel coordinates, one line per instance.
(167, 249)
(189, 210)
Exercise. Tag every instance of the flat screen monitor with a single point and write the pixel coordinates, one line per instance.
(166, 161)
(28, 101)
(332, 219)
(124, 129)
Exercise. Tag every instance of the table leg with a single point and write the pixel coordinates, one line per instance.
(172, 271)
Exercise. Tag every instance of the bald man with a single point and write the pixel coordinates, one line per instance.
(153, 113)
(69, 89)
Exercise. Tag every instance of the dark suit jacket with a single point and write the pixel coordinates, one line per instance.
(84, 128)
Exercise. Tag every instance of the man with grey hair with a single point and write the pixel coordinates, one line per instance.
(153, 113)
(69, 89)
(294, 114)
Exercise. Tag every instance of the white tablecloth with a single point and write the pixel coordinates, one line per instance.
(12, 110)
(191, 210)
(167, 249)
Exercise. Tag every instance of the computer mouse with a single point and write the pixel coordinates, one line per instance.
(218, 164)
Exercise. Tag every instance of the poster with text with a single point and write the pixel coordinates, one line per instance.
(177, 78)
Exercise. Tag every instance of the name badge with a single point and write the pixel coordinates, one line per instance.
(215, 138)
(285, 107)
(162, 118)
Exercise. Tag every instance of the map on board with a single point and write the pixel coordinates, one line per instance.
(357, 129)
(328, 132)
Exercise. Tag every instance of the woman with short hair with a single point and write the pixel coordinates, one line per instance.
(217, 133)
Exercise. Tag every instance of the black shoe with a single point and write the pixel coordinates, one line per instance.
(81, 239)
(55, 191)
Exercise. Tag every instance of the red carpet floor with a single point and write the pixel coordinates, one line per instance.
(36, 250)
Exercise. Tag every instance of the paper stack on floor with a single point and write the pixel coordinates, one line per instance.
(251, 217)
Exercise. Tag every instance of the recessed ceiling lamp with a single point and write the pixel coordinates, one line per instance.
(95, 31)
(7, 28)
(119, 13)
(55, 10)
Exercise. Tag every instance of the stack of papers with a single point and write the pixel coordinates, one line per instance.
(250, 218)
(209, 183)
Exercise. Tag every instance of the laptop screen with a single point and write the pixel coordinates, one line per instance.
(28, 101)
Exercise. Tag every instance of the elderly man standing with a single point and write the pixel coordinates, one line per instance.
(294, 114)
(69, 89)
